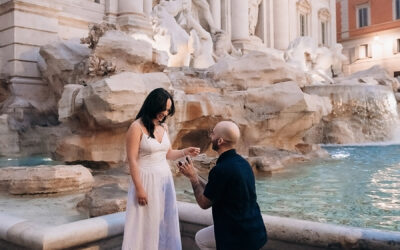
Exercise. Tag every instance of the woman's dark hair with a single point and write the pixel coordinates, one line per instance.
(155, 103)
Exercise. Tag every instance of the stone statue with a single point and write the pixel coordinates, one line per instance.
(321, 63)
(181, 35)
(202, 47)
(169, 35)
(301, 53)
(223, 45)
(253, 15)
(204, 13)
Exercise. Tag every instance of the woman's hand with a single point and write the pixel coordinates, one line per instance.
(141, 197)
(192, 151)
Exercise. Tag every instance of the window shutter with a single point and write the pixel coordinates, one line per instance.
(395, 46)
(369, 50)
(355, 53)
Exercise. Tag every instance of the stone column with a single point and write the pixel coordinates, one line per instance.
(132, 17)
(240, 20)
(226, 16)
(111, 11)
(281, 24)
(147, 7)
(130, 6)
(215, 6)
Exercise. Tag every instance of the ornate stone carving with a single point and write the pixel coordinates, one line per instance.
(95, 32)
(304, 6)
(180, 34)
(99, 67)
(324, 14)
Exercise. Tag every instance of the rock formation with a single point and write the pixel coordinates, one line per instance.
(45, 179)
(274, 100)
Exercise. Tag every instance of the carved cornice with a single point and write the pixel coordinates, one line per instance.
(304, 6)
(324, 14)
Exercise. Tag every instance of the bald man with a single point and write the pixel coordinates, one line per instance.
(231, 192)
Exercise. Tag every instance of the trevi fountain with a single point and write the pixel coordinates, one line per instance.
(323, 146)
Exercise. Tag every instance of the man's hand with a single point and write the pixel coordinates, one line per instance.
(187, 169)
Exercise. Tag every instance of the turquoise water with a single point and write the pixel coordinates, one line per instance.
(359, 186)
(26, 161)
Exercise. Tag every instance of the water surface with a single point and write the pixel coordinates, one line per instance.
(359, 186)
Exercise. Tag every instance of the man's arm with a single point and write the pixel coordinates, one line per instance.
(198, 189)
(187, 169)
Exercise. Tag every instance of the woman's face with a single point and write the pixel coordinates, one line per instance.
(161, 116)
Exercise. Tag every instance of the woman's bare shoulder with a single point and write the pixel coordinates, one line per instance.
(135, 127)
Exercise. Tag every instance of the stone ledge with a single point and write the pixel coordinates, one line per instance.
(283, 233)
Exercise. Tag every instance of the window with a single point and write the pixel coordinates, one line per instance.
(363, 51)
(303, 25)
(398, 46)
(324, 17)
(363, 16)
(396, 8)
(323, 33)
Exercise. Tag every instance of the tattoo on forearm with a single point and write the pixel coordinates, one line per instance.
(198, 190)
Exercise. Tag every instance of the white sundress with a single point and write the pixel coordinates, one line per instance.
(156, 225)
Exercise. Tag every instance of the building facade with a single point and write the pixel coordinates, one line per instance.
(370, 33)
(25, 25)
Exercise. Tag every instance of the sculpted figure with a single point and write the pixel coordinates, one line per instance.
(301, 53)
(322, 63)
(253, 15)
(169, 35)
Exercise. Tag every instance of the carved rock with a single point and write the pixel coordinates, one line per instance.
(46, 179)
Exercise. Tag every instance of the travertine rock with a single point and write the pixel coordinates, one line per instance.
(269, 159)
(127, 53)
(62, 63)
(9, 143)
(106, 199)
(376, 75)
(277, 115)
(71, 101)
(45, 179)
(103, 147)
(115, 101)
(256, 69)
(360, 114)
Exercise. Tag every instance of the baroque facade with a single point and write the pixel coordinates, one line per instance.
(25, 25)
(370, 34)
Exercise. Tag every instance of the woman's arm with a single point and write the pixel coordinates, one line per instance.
(174, 154)
(132, 150)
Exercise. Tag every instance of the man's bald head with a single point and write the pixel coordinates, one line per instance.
(229, 131)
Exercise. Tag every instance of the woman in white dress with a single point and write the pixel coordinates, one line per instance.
(151, 215)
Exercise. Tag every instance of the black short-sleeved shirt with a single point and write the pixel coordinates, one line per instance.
(238, 223)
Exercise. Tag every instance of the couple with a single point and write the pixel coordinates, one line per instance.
(152, 220)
